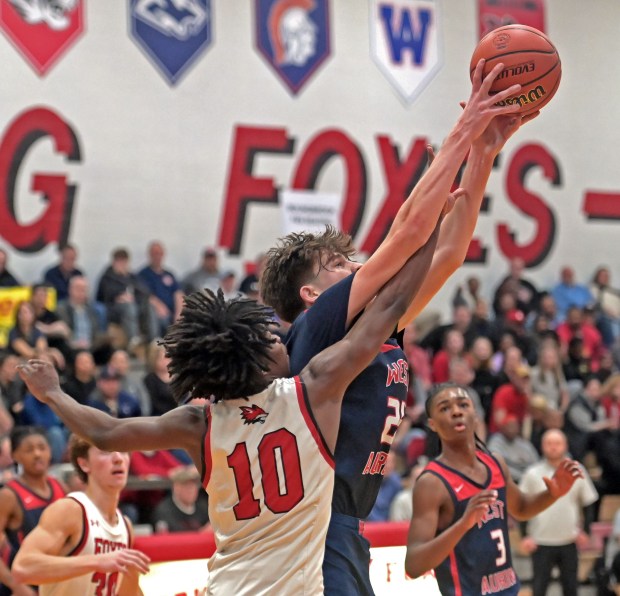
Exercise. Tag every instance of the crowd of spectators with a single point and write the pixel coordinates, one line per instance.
(533, 358)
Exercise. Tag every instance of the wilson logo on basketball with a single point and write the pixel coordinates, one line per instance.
(524, 99)
(253, 414)
(517, 69)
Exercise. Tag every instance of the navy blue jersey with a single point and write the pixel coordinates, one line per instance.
(373, 404)
(481, 561)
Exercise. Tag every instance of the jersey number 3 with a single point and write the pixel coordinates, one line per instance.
(281, 477)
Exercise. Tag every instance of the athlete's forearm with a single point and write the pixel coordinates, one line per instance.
(40, 568)
(422, 557)
(528, 506)
(7, 578)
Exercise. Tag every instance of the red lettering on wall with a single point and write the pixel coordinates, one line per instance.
(54, 223)
(325, 146)
(525, 159)
(243, 187)
(400, 178)
(601, 205)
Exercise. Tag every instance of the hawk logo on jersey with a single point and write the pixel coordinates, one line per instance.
(293, 36)
(172, 33)
(253, 414)
(42, 29)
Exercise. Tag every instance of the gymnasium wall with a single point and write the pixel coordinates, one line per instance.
(121, 123)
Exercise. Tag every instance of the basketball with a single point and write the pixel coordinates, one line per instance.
(529, 58)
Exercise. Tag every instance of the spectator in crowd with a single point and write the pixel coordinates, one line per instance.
(131, 379)
(7, 279)
(612, 559)
(147, 465)
(186, 508)
(157, 381)
(228, 284)
(607, 367)
(548, 376)
(126, 299)
(523, 291)
(513, 359)
(568, 293)
(82, 544)
(25, 339)
(401, 508)
(485, 381)
(546, 308)
(391, 485)
(12, 389)
(109, 397)
(576, 326)
(506, 345)
(555, 534)
(81, 383)
(468, 294)
(575, 364)
(453, 347)
(461, 321)
(56, 331)
(23, 499)
(417, 357)
(512, 398)
(585, 416)
(607, 304)
(250, 284)
(59, 276)
(166, 296)
(82, 317)
(518, 452)
(205, 276)
(610, 397)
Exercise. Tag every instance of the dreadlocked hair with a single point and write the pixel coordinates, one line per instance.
(433, 393)
(218, 348)
(291, 264)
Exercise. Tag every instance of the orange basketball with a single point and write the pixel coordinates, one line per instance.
(529, 58)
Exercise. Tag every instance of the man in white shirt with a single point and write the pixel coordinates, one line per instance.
(554, 534)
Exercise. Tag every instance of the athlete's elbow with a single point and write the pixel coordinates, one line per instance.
(412, 568)
(20, 573)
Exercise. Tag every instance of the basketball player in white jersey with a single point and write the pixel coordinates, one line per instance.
(264, 442)
(82, 544)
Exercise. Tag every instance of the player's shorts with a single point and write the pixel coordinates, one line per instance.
(347, 558)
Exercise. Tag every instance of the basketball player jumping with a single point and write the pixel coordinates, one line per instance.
(266, 443)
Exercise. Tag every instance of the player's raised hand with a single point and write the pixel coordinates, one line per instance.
(124, 560)
(481, 107)
(565, 476)
(40, 377)
(478, 507)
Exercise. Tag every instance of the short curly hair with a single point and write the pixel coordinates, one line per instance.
(291, 264)
(219, 347)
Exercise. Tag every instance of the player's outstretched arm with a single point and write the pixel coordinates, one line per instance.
(523, 506)
(418, 215)
(458, 228)
(42, 558)
(425, 548)
(181, 428)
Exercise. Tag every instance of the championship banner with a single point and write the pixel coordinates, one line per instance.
(406, 43)
(294, 38)
(171, 34)
(497, 13)
(42, 31)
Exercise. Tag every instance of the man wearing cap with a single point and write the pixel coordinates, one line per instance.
(205, 276)
(186, 508)
(512, 397)
(110, 398)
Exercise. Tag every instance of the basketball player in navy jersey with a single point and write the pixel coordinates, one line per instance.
(23, 499)
(265, 442)
(461, 503)
(308, 281)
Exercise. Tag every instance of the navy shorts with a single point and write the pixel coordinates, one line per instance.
(347, 558)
